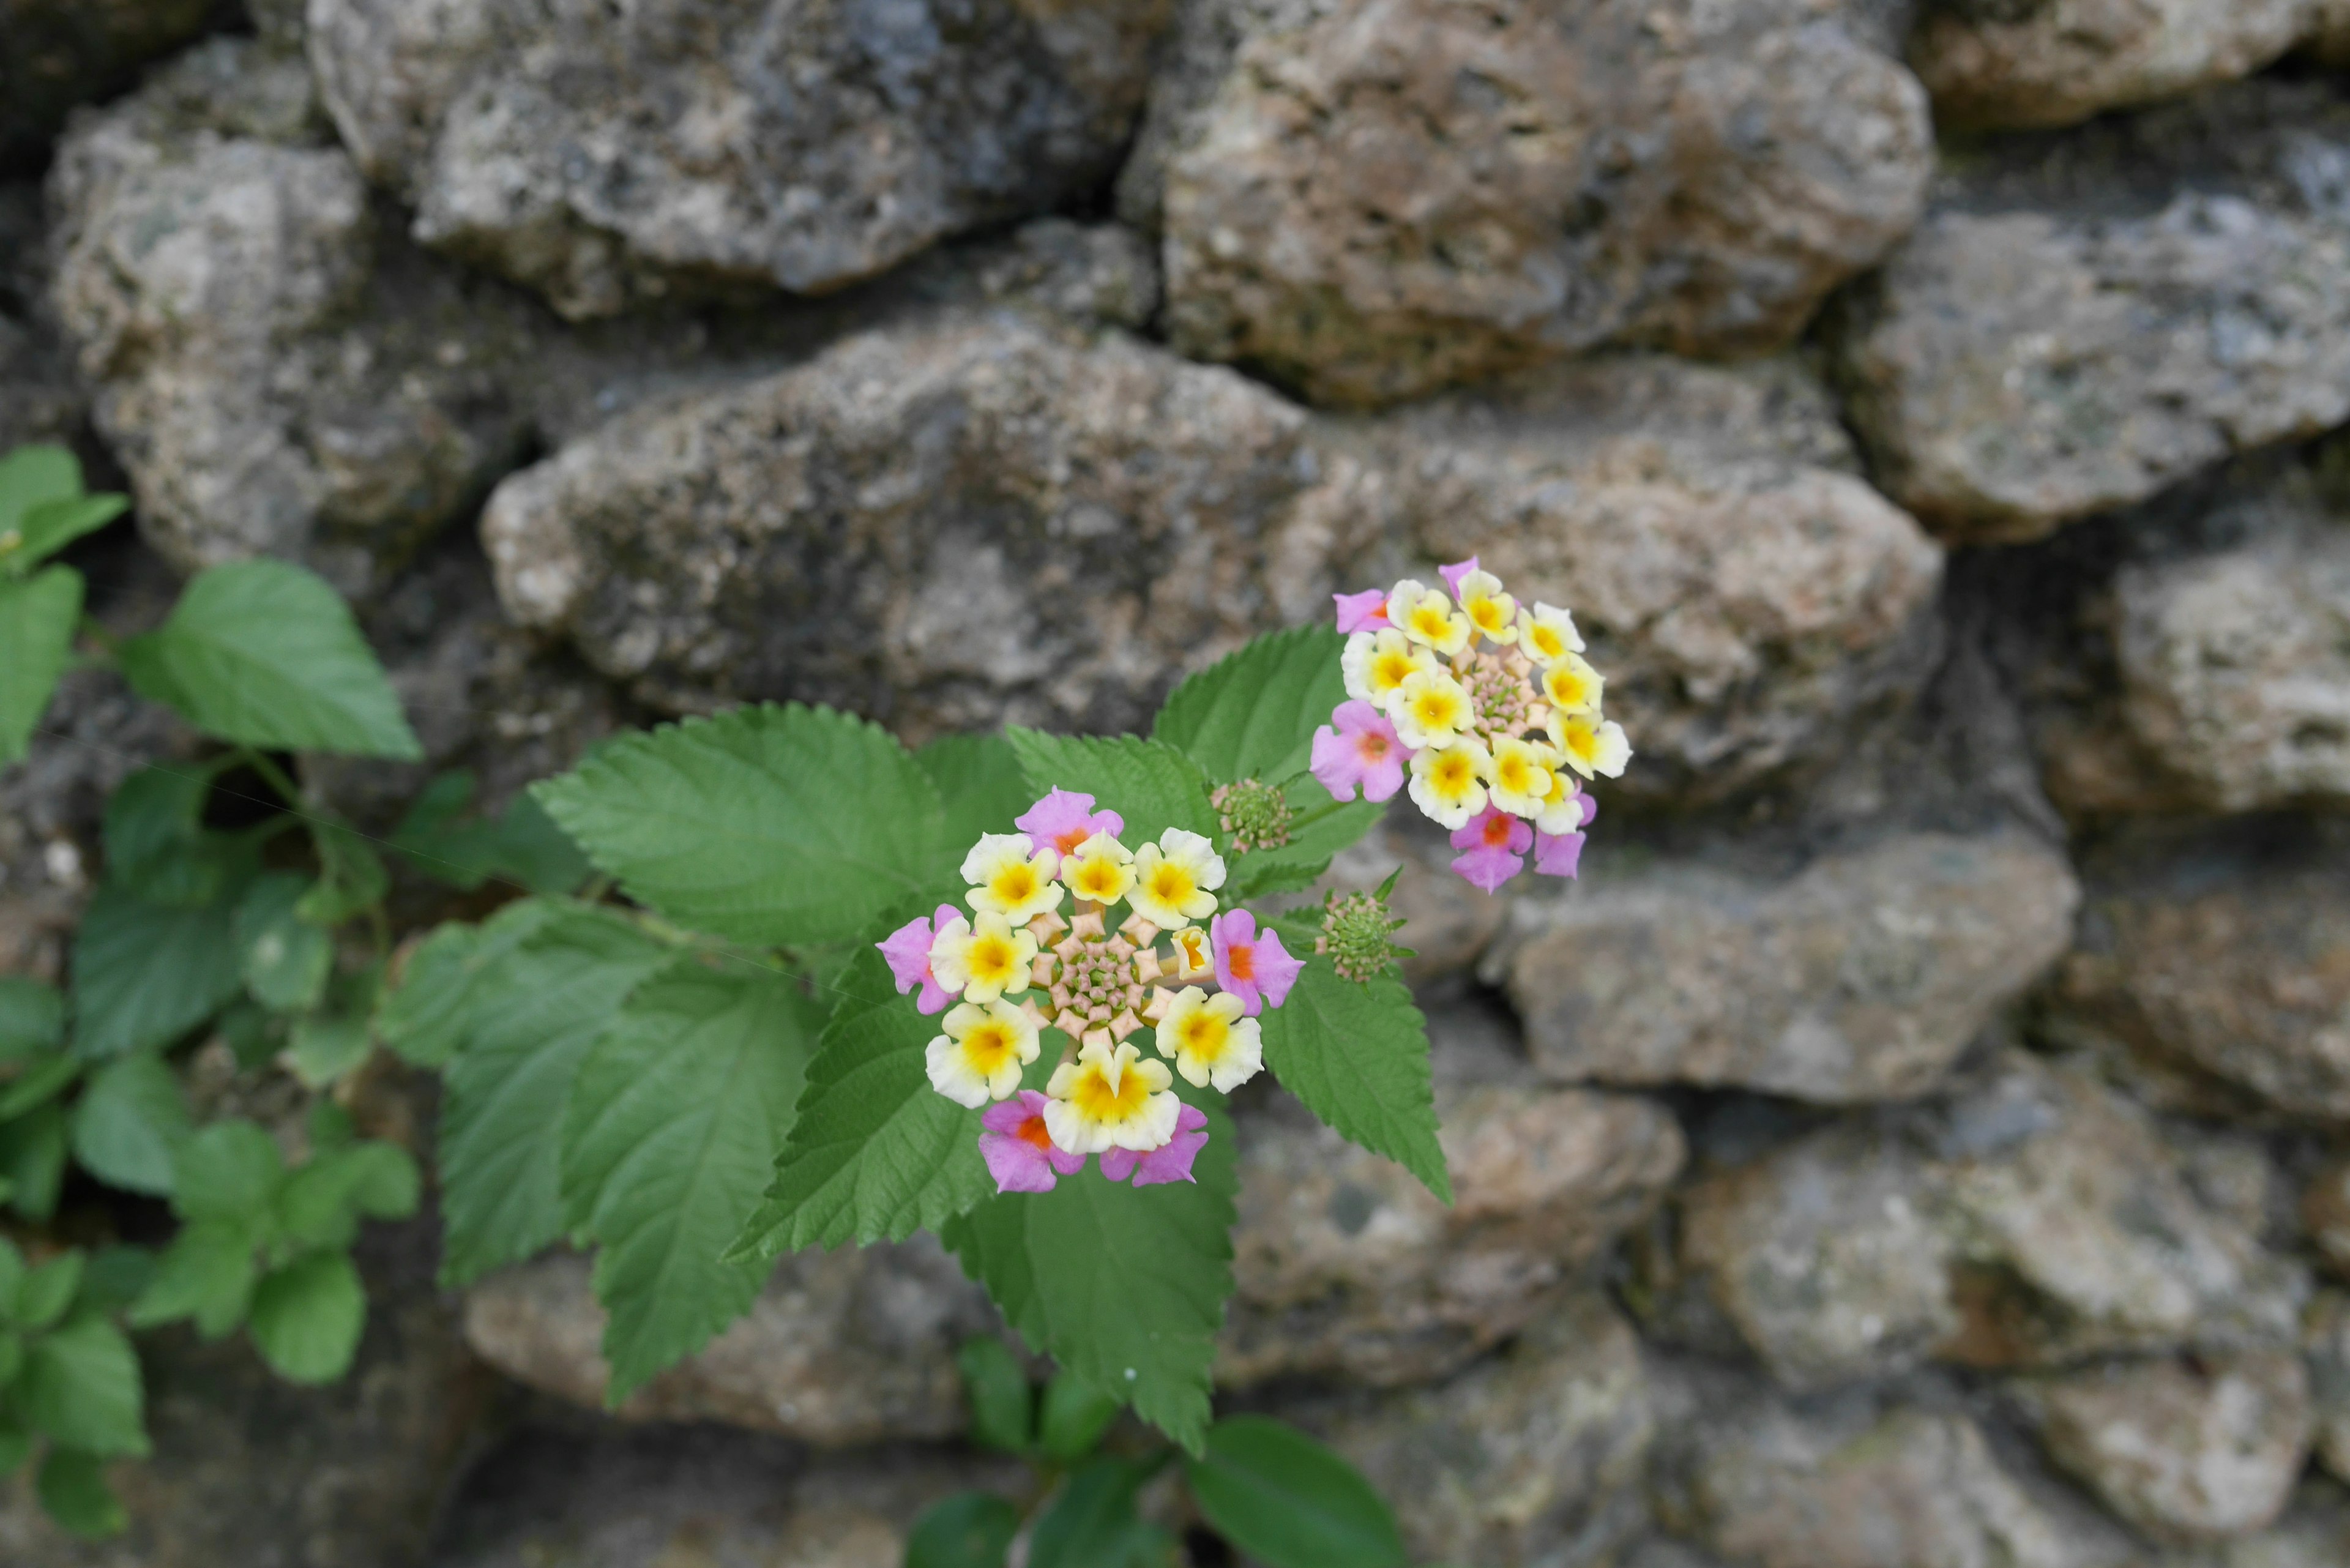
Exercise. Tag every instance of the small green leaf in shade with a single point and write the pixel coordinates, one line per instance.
(286, 959)
(321, 1204)
(351, 875)
(17, 1439)
(767, 825)
(1285, 1499)
(1151, 785)
(252, 1033)
(875, 1153)
(522, 844)
(53, 524)
(32, 1017)
(1124, 1286)
(1253, 714)
(1002, 1405)
(671, 1131)
(11, 1272)
(153, 814)
(38, 618)
(206, 1274)
(80, 1387)
(537, 1008)
(73, 1492)
(1091, 1521)
(981, 787)
(969, 1530)
(34, 475)
(44, 1293)
(330, 1041)
(1356, 1055)
(230, 1170)
(33, 1160)
(115, 1277)
(35, 1081)
(130, 1125)
(1075, 1415)
(266, 654)
(307, 1317)
(425, 1017)
(146, 973)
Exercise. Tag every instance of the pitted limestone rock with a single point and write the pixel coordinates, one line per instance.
(1371, 199)
(607, 155)
(1862, 978)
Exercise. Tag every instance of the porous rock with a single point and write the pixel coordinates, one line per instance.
(1347, 1268)
(279, 375)
(1862, 978)
(605, 155)
(2184, 1452)
(2326, 1215)
(2325, 1344)
(1374, 198)
(54, 53)
(2080, 322)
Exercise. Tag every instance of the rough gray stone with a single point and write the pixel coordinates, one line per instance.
(1861, 979)
(1347, 1268)
(2078, 324)
(2183, 1451)
(1380, 197)
(54, 53)
(605, 156)
(2325, 1343)
(1524, 1459)
(2326, 1215)
(277, 376)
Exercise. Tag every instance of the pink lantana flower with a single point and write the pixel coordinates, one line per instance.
(1020, 1154)
(1065, 819)
(1558, 836)
(1454, 573)
(1252, 965)
(1496, 844)
(1363, 750)
(1366, 611)
(908, 948)
(1170, 1161)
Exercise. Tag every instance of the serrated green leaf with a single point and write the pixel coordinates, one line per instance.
(286, 959)
(32, 1017)
(266, 654)
(1002, 1405)
(425, 1019)
(671, 1132)
(80, 1388)
(1253, 714)
(767, 825)
(38, 618)
(228, 1171)
(1092, 1522)
(1124, 1286)
(38, 1081)
(207, 1275)
(44, 1293)
(1075, 1415)
(307, 1317)
(1150, 784)
(145, 973)
(73, 1492)
(875, 1153)
(969, 1530)
(131, 1122)
(33, 1160)
(980, 786)
(537, 1010)
(1356, 1055)
(1288, 1502)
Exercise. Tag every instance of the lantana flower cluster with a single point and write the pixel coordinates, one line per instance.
(1043, 946)
(1486, 705)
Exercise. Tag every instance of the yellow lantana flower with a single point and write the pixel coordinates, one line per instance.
(1007, 880)
(982, 959)
(1447, 783)
(1175, 879)
(1111, 1096)
(1209, 1041)
(1429, 709)
(1424, 615)
(979, 1057)
(1101, 869)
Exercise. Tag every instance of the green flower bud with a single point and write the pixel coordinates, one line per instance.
(1358, 931)
(1254, 813)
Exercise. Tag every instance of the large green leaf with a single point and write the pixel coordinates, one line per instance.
(80, 1387)
(767, 825)
(144, 973)
(1288, 1502)
(442, 984)
(1151, 785)
(307, 1317)
(672, 1133)
(537, 1010)
(980, 784)
(32, 1017)
(875, 1152)
(38, 617)
(1253, 714)
(267, 654)
(1358, 1055)
(130, 1124)
(286, 959)
(1124, 1286)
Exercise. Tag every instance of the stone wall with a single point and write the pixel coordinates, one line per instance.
(1919, 1139)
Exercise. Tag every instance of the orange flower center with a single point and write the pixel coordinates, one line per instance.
(1241, 962)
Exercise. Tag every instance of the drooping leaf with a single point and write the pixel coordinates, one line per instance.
(73, 1491)
(1124, 1286)
(145, 973)
(1253, 714)
(266, 654)
(425, 1018)
(53, 524)
(537, 1009)
(1356, 1055)
(1002, 1405)
(307, 1317)
(130, 1125)
(981, 787)
(33, 1160)
(34, 475)
(969, 1530)
(32, 1017)
(286, 959)
(206, 1274)
(1075, 1415)
(672, 1130)
(38, 618)
(80, 1387)
(875, 1153)
(767, 825)
(1150, 784)
(37, 1081)
(1288, 1502)
(1092, 1523)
